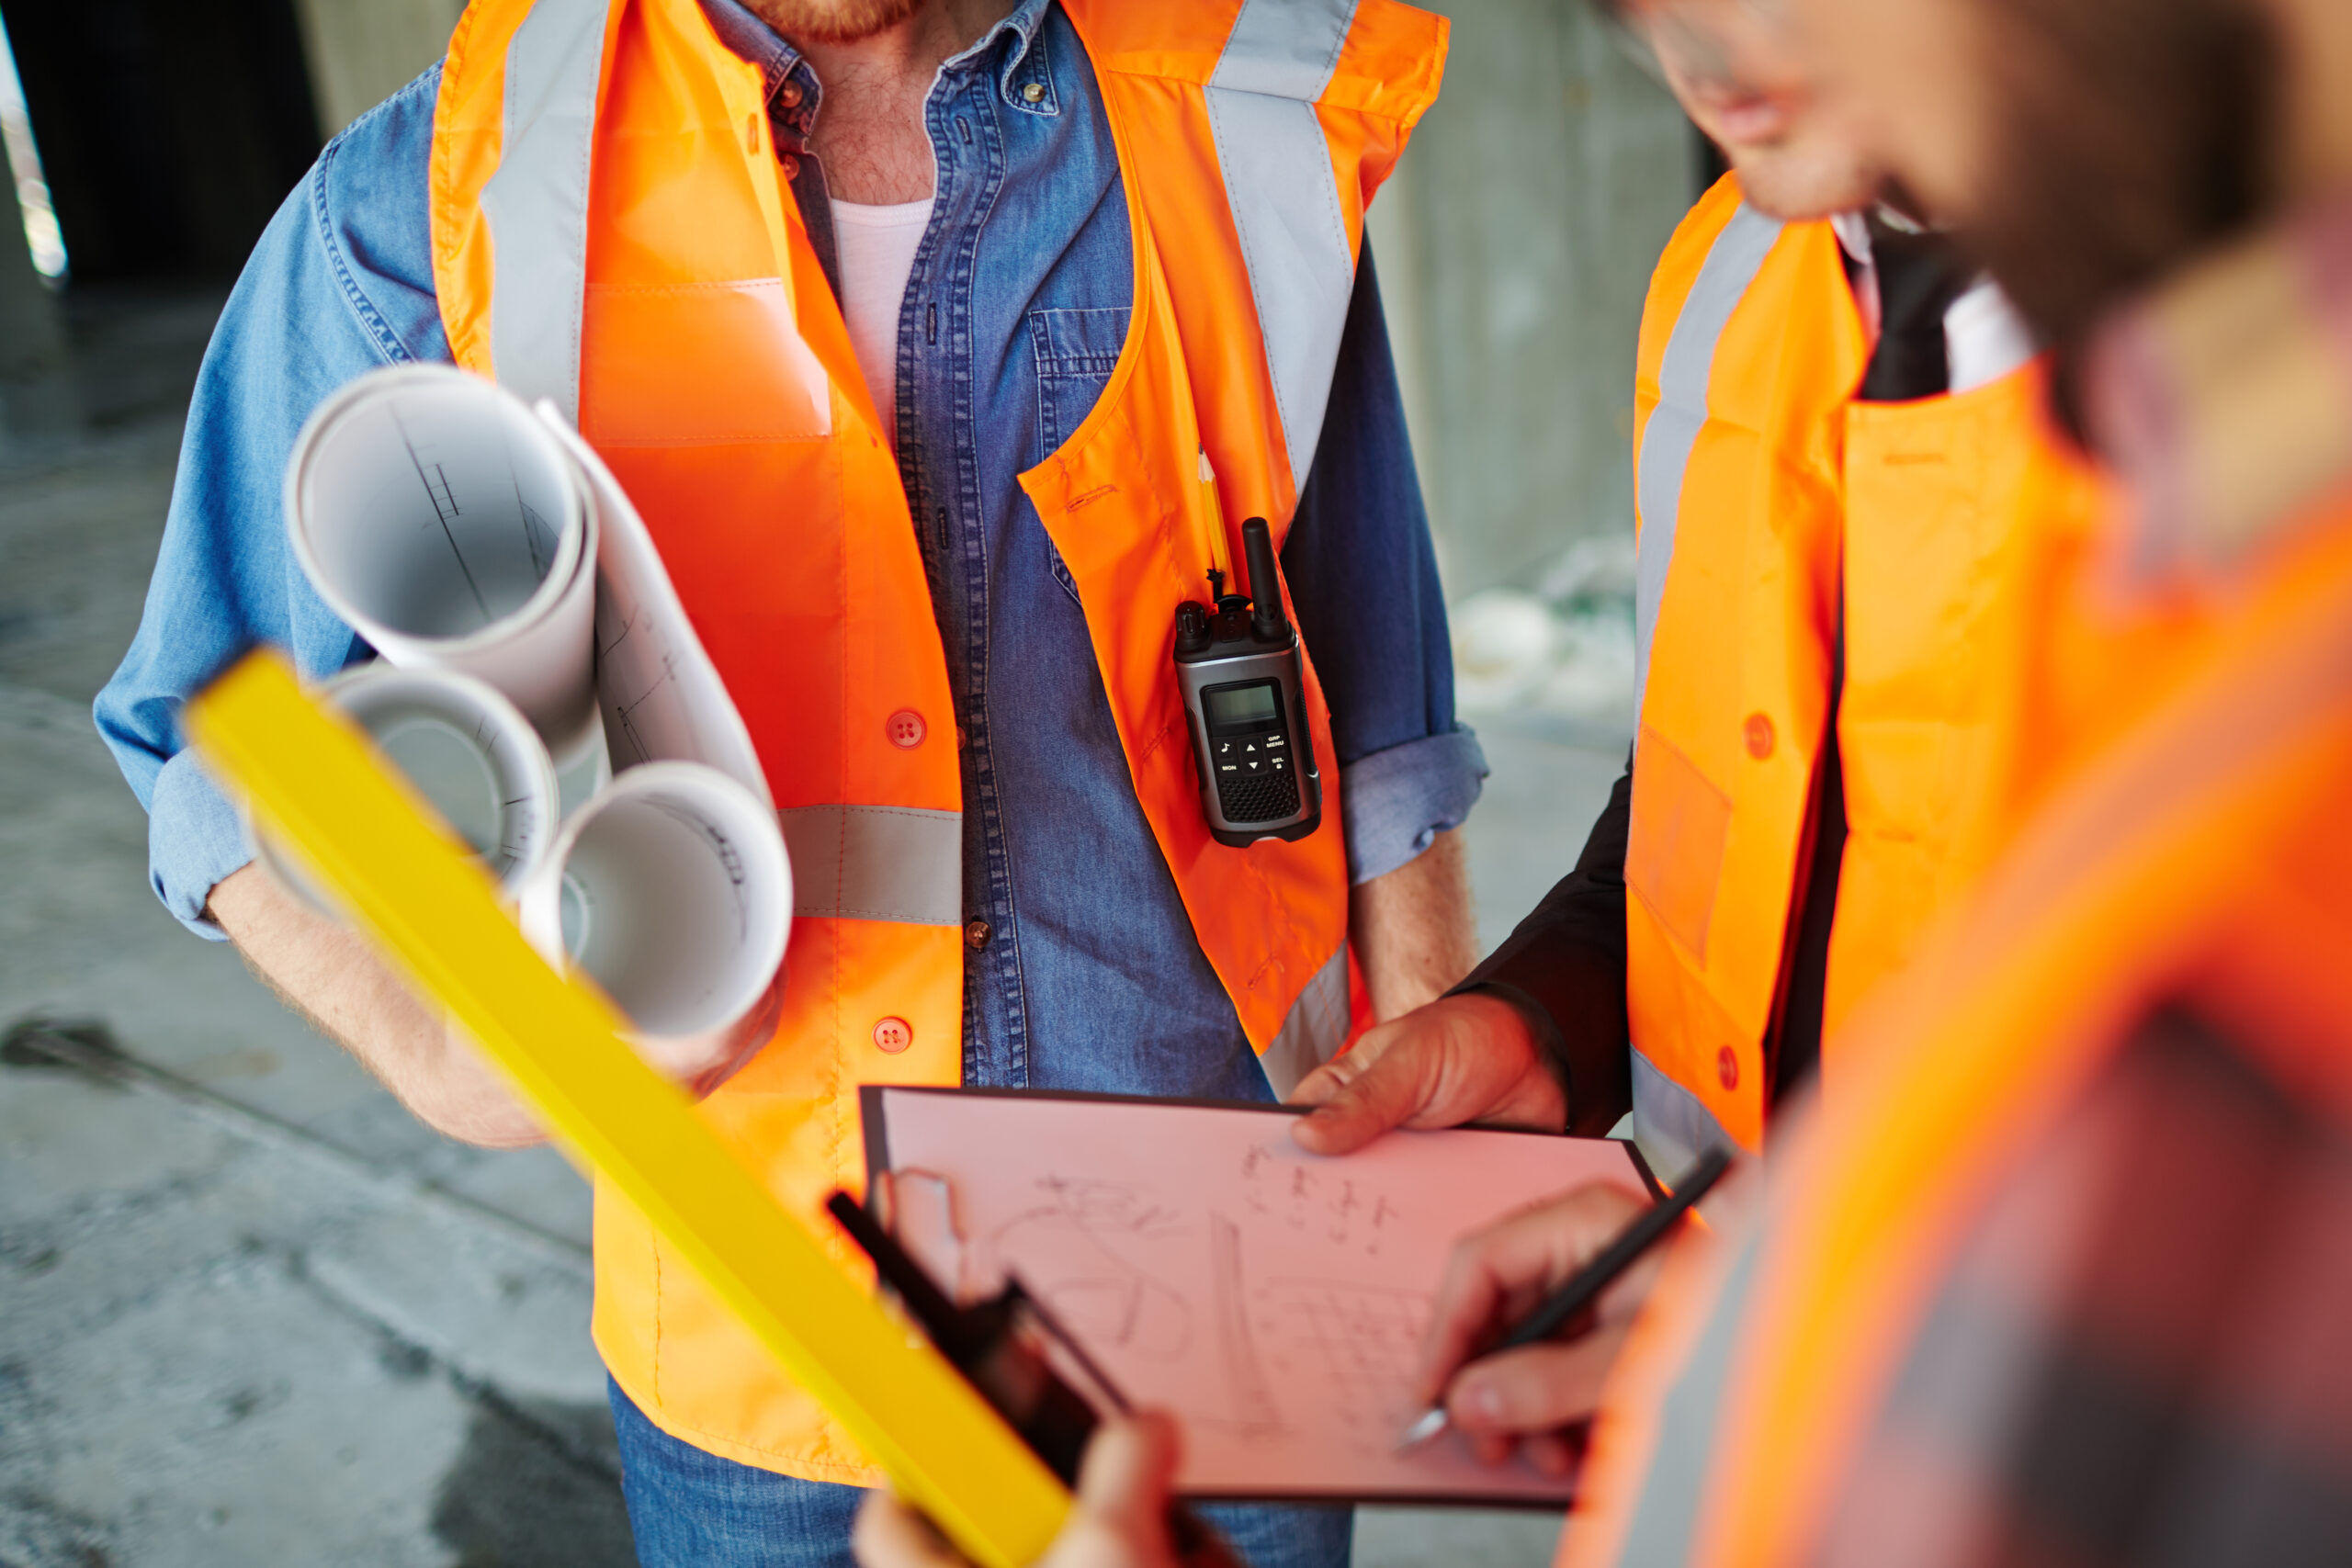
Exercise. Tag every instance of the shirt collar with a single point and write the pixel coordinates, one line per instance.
(2224, 398)
(1853, 230)
(746, 34)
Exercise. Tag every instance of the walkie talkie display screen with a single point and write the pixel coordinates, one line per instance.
(1242, 708)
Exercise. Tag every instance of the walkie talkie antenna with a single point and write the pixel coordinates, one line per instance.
(1266, 616)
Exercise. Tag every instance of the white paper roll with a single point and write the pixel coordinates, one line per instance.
(468, 751)
(433, 512)
(673, 891)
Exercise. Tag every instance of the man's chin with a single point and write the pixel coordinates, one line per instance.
(833, 21)
(1794, 186)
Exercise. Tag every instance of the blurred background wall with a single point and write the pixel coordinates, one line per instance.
(250, 1310)
(361, 51)
(1515, 247)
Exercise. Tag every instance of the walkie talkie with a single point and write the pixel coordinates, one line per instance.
(1238, 664)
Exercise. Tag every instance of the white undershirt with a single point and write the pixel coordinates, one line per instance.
(875, 247)
(1985, 337)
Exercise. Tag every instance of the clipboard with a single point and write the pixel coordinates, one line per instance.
(1273, 1299)
(313, 782)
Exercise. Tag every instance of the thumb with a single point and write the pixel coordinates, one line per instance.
(1129, 1470)
(1385, 1092)
(1318, 1086)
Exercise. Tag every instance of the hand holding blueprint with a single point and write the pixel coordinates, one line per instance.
(1274, 1300)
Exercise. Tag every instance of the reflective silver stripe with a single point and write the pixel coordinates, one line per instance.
(1286, 198)
(877, 862)
(1667, 1509)
(537, 204)
(1670, 1127)
(1673, 429)
(1315, 1028)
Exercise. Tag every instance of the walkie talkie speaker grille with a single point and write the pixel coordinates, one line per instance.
(1265, 798)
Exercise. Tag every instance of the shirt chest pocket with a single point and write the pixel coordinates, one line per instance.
(1075, 352)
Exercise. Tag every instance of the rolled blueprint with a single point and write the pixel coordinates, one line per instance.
(661, 697)
(438, 515)
(672, 890)
(468, 751)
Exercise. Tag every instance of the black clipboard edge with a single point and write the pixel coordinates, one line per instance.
(1499, 1502)
(1658, 1194)
(870, 1121)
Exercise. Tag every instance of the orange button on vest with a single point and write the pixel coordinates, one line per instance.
(610, 231)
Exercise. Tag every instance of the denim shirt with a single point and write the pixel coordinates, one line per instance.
(1082, 971)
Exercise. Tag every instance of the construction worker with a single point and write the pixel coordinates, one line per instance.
(907, 323)
(2059, 1272)
(2062, 1272)
(1842, 477)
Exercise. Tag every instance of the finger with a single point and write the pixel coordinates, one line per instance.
(1539, 1388)
(1464, 1315)
(1388, 1088)
(1556, 1454)
(1500, 1273)
(1328, 1079)
(1125, 1478)
(1491, 1450)
(890, 1534)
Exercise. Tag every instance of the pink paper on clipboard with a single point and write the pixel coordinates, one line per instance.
(1274, 1300)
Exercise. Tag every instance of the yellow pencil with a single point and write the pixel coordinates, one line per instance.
(1213, 524)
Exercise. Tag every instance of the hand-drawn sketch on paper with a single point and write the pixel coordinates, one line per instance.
(1274, 1302)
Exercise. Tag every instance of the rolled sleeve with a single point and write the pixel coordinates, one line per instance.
(1398, 801)
(1363, 582)
(340, 283)
(195, 839)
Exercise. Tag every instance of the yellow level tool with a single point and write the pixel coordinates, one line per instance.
(315, 783)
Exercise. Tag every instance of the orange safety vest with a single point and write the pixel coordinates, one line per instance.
(1762, 486)
(610, 229)
(2202, 854)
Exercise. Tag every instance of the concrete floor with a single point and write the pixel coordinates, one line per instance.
(251, 1311)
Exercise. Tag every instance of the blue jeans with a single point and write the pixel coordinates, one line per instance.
(692, 1509)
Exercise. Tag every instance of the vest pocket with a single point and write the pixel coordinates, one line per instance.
(1675, 848)
(1075, 352)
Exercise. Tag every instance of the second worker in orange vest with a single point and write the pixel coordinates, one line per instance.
(1843, 481)
(1844, 489)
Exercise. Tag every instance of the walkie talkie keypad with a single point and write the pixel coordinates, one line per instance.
(1249, 753)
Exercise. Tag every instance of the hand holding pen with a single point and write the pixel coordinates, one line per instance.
(1533, 1312)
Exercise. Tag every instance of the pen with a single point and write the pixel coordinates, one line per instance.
(1584, 1286)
